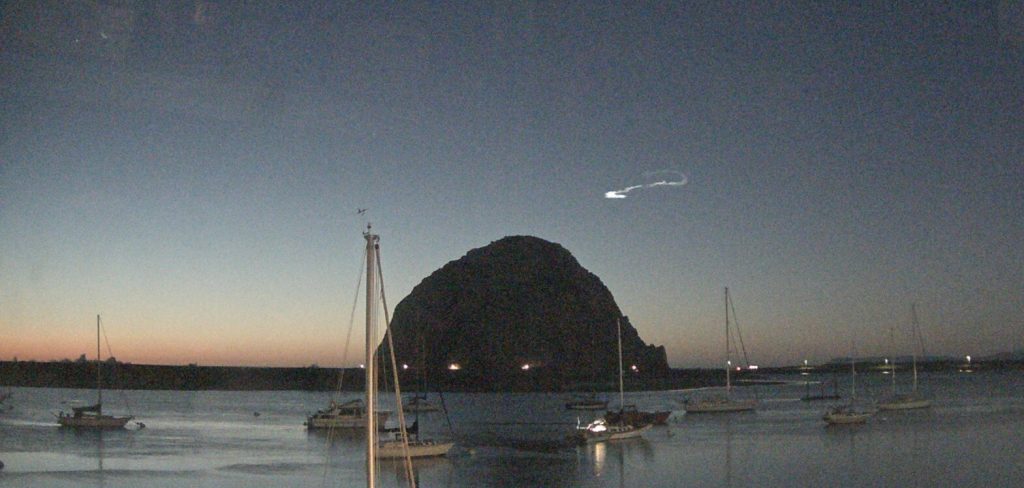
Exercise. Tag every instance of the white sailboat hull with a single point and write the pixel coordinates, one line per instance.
(417, 449)
(629, 433)
(599, 431)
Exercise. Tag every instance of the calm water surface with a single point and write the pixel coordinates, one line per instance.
(971, 437)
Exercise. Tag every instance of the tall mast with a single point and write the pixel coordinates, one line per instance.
(913, 348)
(99, 362)
(892, 364)
(371, 376)
(853, 378)
(728, 361)
(618, 326)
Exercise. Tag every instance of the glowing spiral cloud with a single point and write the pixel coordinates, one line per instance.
(679, 179)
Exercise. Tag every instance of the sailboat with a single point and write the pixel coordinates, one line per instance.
(400, 446)
(848, 413)
(721, 404)
(912, 400)
(418, 403)
(601, 429)
(91, 416)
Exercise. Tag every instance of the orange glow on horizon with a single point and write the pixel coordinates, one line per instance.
(208, 350)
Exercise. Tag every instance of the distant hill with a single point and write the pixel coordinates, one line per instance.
(1017, 355)
(518, 302)
(899, 359)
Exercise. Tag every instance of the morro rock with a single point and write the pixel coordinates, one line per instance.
(518, 314)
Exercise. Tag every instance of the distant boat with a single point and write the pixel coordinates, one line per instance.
(846, 414)
(586, 402)
(600, 429)
(418, 403)
(913, 399)
(722, 404)
(849, 413)
(393, 449)
(347, 415)
(91, 416)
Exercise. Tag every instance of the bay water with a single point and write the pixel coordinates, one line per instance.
(972, 436)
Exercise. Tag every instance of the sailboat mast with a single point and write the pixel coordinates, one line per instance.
(618, 326)
(371, 374)
(728, 361)
(99, 374)
(892, 370)
(853, 378)
(913, 348)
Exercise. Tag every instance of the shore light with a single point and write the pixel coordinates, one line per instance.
(454, 367)
(525, 367)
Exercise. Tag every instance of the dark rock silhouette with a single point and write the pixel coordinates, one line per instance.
(518, 301)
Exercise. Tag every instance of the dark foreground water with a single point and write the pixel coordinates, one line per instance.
(973, 436)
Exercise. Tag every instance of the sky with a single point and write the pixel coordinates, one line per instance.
(192, 170)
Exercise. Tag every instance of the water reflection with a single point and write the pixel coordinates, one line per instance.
(620, 461)
(841, 442)
(727, 479)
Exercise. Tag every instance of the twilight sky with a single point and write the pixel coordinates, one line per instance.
(191, 170)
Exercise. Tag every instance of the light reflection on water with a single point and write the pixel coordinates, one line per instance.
(969, 438)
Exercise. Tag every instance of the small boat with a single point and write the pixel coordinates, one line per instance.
(392, 449)
(417, 448)
(601, 430)
(418, 403)
(845, 414)
(913, 400)
(347, 415)
(92, 416)
(722, 403)
(589, 402)
(849, 413)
